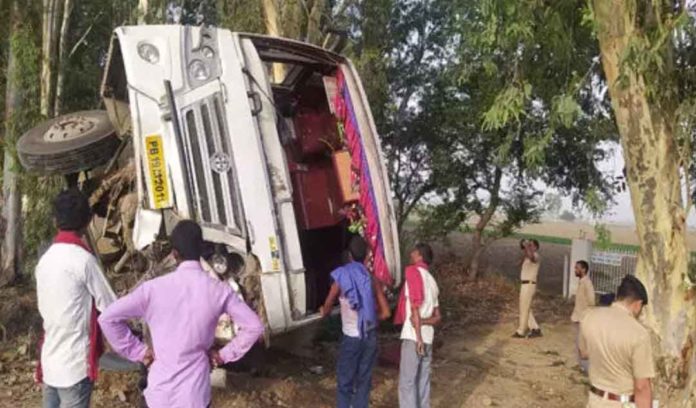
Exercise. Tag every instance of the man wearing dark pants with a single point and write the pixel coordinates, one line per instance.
(419, 312)
(359, 296)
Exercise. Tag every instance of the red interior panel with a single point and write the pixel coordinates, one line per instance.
(317, 197)
(316, 132)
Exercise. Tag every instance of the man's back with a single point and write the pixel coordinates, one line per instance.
(182, 310)
(618, 348)
(67, 277)
(584, 299)
(530, 269)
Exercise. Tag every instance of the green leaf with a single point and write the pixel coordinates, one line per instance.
(508, 107)
(566, 110)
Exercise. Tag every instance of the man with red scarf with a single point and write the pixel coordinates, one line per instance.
(70, 288)
(419, 311)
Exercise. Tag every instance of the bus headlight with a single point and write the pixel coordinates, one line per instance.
(198, 70)
(208, 52)
(148, 52)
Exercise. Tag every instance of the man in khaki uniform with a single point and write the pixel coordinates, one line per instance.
(619, 350)
(530, 270)
(584, 300)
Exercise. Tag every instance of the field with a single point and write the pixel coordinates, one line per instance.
(563, 232)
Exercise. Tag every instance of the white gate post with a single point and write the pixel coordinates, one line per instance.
(566, 275)
(580, 250)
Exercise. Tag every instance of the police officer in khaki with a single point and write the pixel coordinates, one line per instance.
(584, 301)
(619, 350)
(530, 270)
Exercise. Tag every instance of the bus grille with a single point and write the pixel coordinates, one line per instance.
(210, 164)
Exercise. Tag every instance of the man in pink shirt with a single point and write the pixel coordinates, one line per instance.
(182, 310)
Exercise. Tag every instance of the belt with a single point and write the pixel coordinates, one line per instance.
(610, 396)
(529, 282)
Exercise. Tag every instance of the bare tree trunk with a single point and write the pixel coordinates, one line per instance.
(51, 26)
(143, 9)
(478, 245)
(271, 16)
(62, 55)
(314, 34)
(10, 183)
(652, 163)
(477, 248)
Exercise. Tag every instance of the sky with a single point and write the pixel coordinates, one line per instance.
(622, 211)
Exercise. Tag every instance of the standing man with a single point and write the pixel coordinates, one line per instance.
(419, 312)
(360, 298)
(528, 280)
(619, 350)
(584, 301)
(182, 311)
(70, 289)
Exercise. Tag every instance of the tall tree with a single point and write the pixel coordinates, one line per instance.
(643, 46)
(21, 111)
(10, 193)
(63, 55)
(52, 10)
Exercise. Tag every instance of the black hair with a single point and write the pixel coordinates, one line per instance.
(632, 289)
(235, 263)
(357, 248)
(71, 210)
(584, 265)
(426, 252)
(187, 240)
(536, 244)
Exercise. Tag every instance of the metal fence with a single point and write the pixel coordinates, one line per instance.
(608, 268)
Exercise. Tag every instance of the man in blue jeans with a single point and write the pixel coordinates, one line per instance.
(359, 296)
(71, 288)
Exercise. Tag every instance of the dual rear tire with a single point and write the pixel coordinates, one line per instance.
(69, 144)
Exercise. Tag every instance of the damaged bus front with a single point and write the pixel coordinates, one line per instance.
(268, 143)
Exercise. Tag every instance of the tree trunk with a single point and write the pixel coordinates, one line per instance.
(62, 55)
(143, 8)
(476, 250)
(314, 34)
(271, 17)
(652, 163)
(10, 184)
(477, 244)
(49, 48)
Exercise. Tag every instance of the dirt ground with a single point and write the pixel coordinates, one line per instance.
(476, 363)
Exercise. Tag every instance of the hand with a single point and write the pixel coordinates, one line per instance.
(420, 348)
(215, 359)
(149, 357)
(324, 311)
(36, 377)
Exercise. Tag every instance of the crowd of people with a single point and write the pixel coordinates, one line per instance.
(182, 310)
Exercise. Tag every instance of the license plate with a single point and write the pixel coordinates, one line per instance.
(159, 182)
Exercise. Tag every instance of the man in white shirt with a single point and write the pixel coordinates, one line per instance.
(419, 311)
(70, 288)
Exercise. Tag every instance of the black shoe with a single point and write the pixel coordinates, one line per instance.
(518, 336)
(535, 333)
